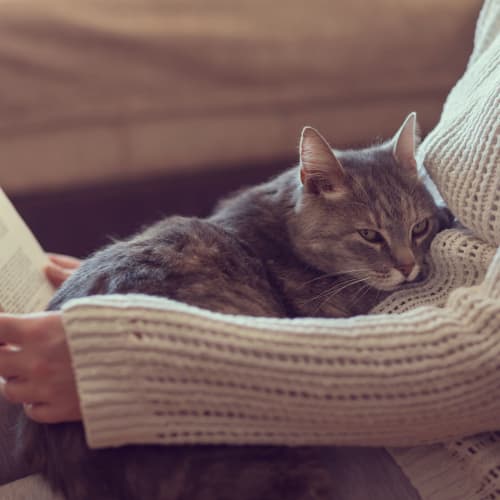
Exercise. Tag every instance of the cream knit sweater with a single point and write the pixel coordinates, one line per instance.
(151, 370)
(156, 371)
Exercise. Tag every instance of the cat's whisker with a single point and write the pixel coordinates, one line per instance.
(333, 275)
(337, 291)
(333, 289)
(361, 293)
(348, 285)
(333, 294)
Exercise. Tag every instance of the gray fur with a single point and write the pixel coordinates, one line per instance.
(285, 248)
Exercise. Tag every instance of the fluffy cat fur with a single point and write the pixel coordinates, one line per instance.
(330, 237)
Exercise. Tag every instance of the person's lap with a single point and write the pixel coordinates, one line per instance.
(9, 469)
(13, 483)
(28, 488)
(359, 470)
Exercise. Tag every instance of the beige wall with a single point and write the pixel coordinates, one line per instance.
(94, 90)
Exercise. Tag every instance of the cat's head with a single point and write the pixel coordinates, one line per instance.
(365, 212)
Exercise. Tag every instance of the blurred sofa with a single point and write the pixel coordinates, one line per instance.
(114, 111)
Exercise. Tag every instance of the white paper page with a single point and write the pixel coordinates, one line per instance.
(23, 285)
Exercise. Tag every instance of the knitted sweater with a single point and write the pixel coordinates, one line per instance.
(171, 373)
(167, 373)
(152, 370)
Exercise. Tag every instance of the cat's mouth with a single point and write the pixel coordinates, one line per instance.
(394, 279)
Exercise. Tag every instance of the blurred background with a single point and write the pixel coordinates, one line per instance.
(115, 113)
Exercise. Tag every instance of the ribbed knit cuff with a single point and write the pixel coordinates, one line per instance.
(152, 370)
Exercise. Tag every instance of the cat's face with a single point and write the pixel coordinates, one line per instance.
(365, 213)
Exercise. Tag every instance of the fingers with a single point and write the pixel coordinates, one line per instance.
(39, 412)
(22, 341)
(57, 275)
(60, 268)
(52, 414)
(12, 329)
(9, 364)
(64, 261)
(18, 329)
(36, 367)
(19, 391)
(42, 413)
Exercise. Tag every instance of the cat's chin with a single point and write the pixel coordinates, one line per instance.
(392, 288)
(389, 288)
(390, 284)
(394, 280)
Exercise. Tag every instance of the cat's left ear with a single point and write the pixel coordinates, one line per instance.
(405, 142)
(320, 171)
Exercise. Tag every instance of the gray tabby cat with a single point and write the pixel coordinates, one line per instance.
(330, 237)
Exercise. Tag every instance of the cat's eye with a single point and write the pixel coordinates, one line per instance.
(420, 229)
(371, 235)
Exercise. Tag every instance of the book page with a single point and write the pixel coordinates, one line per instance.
(23, 285)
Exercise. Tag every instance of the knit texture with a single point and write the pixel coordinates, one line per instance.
(196, 376)
(462, 156)
(152, 370)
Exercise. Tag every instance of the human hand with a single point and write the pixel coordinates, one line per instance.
(35, 365)
(60, 268)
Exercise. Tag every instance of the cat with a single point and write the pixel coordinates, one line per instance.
(330, 237)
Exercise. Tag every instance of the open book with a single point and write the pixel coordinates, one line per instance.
(23, 285)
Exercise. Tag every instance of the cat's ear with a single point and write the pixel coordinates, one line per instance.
(320, 171)
(405, 143)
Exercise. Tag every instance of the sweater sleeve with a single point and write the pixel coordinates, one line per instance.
(151, 370)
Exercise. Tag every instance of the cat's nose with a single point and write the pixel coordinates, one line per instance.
(406, 268)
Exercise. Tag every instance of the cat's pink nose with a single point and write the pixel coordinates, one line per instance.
(406, 268)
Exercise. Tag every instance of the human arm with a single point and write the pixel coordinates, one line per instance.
(196, 376)
(164, 372)
(454, 350)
